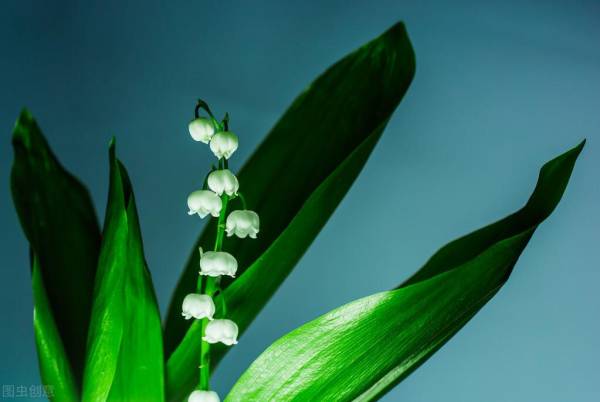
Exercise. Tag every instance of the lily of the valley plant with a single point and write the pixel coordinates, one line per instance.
(98, 331)
(220, 188)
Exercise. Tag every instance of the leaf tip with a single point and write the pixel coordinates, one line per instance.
(397, 40)
(398, 29)
(112, 149)
(22, 131)
(118, 172)
(25, 115)
(575, 151)
(396, 34)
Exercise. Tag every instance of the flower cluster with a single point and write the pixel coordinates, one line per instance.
(220, 187)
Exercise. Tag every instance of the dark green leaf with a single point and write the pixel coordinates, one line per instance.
(359, 351)
(125, 353)
(55, 369)
(295, 180)
(58, 218)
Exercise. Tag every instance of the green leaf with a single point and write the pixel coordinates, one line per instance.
(55, 369)
(125, 353)
(294, 181)
(359, 351)
(58, 218)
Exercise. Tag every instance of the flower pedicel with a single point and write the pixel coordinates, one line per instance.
(220, 188)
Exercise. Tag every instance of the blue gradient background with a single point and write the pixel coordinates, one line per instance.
(500, 89)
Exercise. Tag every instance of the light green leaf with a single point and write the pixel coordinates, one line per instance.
(125, 352)
(359, 351)
(55, 369)
(294, 181)
(58, 218)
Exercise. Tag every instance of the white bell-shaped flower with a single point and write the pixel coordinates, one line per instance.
(204, 202)
(198, 307)
(204, 396)
(224, 331)
(223, 144)
(201, 129)
(217, 263)
(223, 181)
(242, 223)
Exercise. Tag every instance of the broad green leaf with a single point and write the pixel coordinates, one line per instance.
(55, 369)
(359, 351)
(125, 353)
(295, 180)
(59, 220)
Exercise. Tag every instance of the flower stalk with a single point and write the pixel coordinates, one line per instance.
(211, 287)
(219, 188)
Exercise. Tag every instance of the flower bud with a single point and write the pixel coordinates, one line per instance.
(223, 144)
(204, 202)
(217, 263)
(223, 181)
(242, 223)
(201, 129)
(224, 331)
(198, 306)
(204, 396)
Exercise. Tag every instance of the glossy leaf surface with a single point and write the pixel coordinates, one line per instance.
(125, 353)
(58, 218)
(294, 181)
(359, 351)
(55, 369)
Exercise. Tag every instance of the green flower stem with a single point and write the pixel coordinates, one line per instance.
(223, 303)
(221, 224)
(203, 105)
(212, 286)
(204, 361)
(242, 199)
(226, 122)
